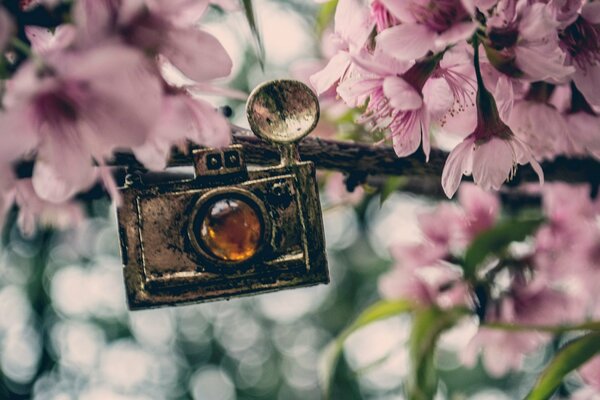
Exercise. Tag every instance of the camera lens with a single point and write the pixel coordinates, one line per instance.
(231, 229)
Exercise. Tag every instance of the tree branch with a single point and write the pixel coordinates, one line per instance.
(359, 159)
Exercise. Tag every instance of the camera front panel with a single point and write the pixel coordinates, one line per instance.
(182, 244)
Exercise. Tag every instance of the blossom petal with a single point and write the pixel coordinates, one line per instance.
(399, 9)
(401, 94)
(42, 40)
(457, 164)
(407, 41)
(591, 12)
(58, 176)
(455, 34)
(588, 83)
(325, 79)
(189, 49)
(17, 136)
(540, 65)
(94, 19)
(180, 12)
(493, 162)
(352, 23)
(407, 137)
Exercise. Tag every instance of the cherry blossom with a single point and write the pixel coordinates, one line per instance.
(351, 31)
(80, 107)
(523, 42)
(490, 153)
(540, 125)
(426, 26)
(182, 118)
(581, 40)
(157, 27)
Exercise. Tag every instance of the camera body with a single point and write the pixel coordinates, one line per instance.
(227, 231)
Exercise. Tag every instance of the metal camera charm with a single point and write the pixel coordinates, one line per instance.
(229, 231)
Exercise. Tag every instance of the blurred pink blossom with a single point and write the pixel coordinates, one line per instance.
(542, 127)
(581, 40)
(337, 193)
(44, 41)
(590, 372)
(33, 210)
(156, 27)
(426, 26)
(440, 285)
(182, 118)
(523, 41)
(481, 209)
(501, 351)
(80, 107)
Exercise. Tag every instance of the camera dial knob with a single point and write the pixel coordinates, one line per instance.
(282, 111)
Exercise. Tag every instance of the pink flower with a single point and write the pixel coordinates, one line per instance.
(581, 40)
(523, 42)
(381, 15)
(541, 126)
(481, 209)
(440, 285)
(156, 27)
(182, 118)
(80, 107)
(442, 233)
(426, 26)
(351, 31)
(524, 303)
(490, 153)
(584, 125)
(43, 41)
(491, 160)
(584, 128)
(403, 98)
(33, 210)
(6, 28)
(590, 372)
(501, 351)
(337, 192)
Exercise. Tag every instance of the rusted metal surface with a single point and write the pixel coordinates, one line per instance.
(165, 255)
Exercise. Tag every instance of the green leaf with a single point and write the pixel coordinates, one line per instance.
(496, 240)
(569, 358)
(325, 15)
(381, 310)
(428, 325)
(251, 17)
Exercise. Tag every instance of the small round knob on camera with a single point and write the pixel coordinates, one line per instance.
(282, 111)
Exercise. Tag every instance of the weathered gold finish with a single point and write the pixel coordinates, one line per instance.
(228, 231)
(282, 111)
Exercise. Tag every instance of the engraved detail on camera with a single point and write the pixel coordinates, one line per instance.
(219, 163)
(171, 245)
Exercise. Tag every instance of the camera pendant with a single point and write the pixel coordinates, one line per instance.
(229, 230)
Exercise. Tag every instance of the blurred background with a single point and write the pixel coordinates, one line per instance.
(66, 333)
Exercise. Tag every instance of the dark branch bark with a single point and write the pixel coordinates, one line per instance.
(357, 160)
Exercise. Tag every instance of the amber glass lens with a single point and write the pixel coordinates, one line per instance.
(231, 230)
